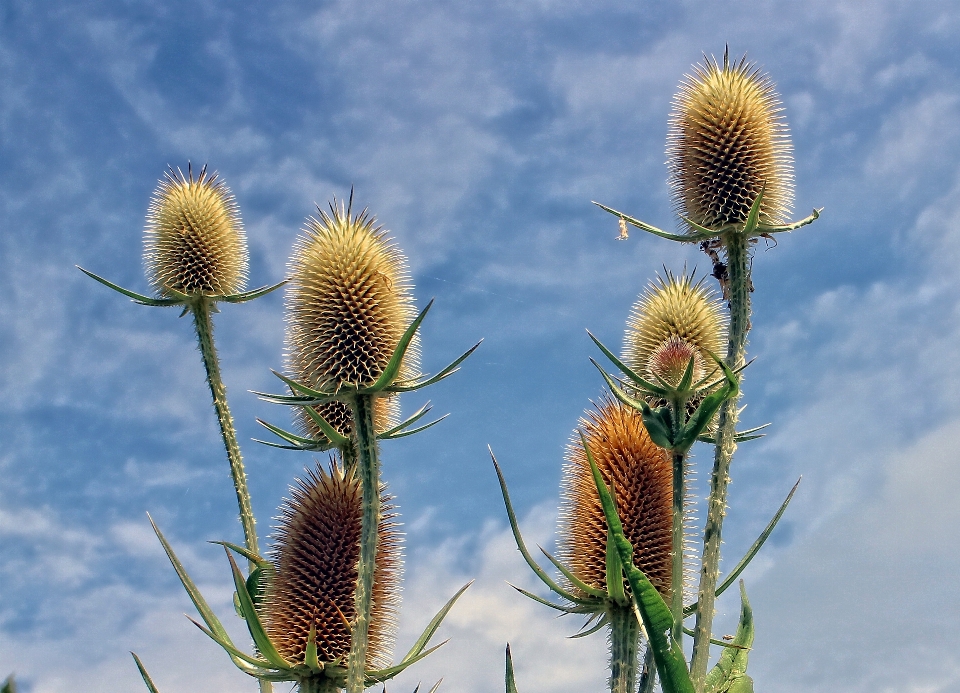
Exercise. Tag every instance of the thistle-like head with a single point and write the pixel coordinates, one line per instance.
(194, 242)
(640, 475)
(675, 319)
(728, 142)
(349, 300)
(315, 555)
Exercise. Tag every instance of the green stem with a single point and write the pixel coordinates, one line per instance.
(676, 576)
(369, 469)
(201, 320)
(318, 684)
(624, 644)
(648, 675)
(738, 269)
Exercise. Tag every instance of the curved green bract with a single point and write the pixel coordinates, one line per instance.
(730, 673)
(9, 688)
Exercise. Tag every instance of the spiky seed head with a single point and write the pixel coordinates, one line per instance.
(641, 476)
(316, 552)
(728, 138)
(348, 301)
(194, 241)
(669, 362)
(386, 414)
(675, 307)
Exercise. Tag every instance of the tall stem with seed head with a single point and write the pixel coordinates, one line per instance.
(369, 469)
(676, 575)
(204, 325)
(738, 268)
(624, 644)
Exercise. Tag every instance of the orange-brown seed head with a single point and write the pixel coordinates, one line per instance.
(641, 477)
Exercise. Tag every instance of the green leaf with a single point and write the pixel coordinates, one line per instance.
(574, 580)
(252, 294)
(687, 380)
(546, 602)
(510, 681)
(381, 675)
(231, 649)
(708, 408)
(512, 517)
(753, 217)
(254, 625)
(614, 572)
(659, 423)
(752, 551)
(411, 386)
(646, 385)
(617, 391)
(762, 229)
(434, 624)
(334, 436)
(310, 657)
(307, 394)
(656, 617)
(138, 298)
(732, 665)
(412, 431)
(10, 687)
(419, 414)
(393, 365)
(584, 633)
(643, 226)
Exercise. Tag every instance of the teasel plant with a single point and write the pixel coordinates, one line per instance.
(352, 347)
(195, 256)
(731, 175)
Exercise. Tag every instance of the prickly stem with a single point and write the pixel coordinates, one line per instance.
(676, 576)
(738, 267)
(624, 644)
(369, 470)
(204, 326)
(648, 674)
(318, 685)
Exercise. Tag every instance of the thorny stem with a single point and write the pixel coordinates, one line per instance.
(624, 644)
(320, 684)
(201, 320)
(738, 268)
(676, 577)
(648, 675)
(369, 469)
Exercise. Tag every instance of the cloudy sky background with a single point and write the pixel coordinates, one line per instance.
(478, 134)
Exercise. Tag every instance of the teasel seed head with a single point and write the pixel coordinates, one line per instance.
(348, 302)
(194, 241)
(669, 361)
(673, 316)
(317, 547)
(728, 141)
(641, 477)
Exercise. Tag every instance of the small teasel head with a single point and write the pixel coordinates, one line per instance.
(674, 319)
(194, 241)
(640, 475)
(316, 552)
(349, 301)
(728, 141)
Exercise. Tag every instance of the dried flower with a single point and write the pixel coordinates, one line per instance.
(194, 241)
(316, 552)
(728, 139)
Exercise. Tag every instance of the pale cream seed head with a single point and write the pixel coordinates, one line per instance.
(194, 241)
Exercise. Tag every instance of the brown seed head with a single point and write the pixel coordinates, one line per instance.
(674, 307)
(641, 476)
(316, 553)
(727, 139)
(348, 303)
(194, 241)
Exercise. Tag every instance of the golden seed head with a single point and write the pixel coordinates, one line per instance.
(641, 476)
(194, 241)
(675, 307)
(315, 555)
(727, 139)
(348, 302)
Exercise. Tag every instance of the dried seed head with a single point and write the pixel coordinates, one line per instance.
(348, 302)
(194, 241)
(641, 476)
(674, 307)
(727, 139)
(669, 362)
(316, 553)
(386, 414)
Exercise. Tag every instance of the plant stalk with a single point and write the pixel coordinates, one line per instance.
(648, 675)
(204, 325)
(676, 576)
(624, 647)
(738, 269)
(320, 684)
(369, 470)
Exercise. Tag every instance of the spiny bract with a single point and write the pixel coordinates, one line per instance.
(348, 302)
(315, 554)
(194, 241)
(728, 139)
(675, 308)
(641, 477)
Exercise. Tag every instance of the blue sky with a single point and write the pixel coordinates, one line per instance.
(478, 134)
